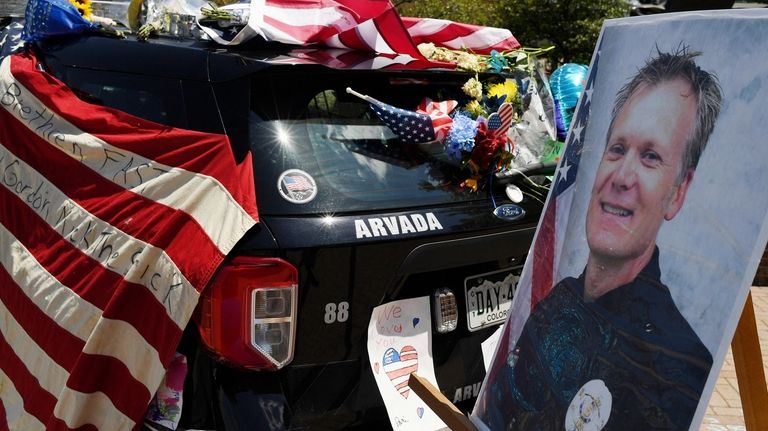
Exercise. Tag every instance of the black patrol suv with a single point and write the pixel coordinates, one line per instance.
(351, 218)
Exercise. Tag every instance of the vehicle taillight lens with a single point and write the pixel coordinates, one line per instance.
(247, 316)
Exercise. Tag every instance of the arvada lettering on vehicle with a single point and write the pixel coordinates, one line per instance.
(466, 392)
(396, 225)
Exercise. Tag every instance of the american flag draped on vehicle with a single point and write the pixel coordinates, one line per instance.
(110, 226)
(372, 25)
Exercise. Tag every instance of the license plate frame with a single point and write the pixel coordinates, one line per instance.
(480, 289)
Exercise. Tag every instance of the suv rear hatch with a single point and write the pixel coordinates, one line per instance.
(373, 220)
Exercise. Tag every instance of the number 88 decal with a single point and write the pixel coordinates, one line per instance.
(336, 313)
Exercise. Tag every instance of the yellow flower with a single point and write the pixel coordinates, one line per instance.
(507, 88)
(476, 109)
(84, 7)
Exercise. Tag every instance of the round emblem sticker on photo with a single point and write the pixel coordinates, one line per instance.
(590, 408)
(296, 186)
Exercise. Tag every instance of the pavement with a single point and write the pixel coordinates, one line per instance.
(724, 412)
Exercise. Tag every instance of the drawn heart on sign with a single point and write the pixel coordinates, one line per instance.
(415, 321)
(399, 366)
(501, 119)
(376, 367)
(420, 411)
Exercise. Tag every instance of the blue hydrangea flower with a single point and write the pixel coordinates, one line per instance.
(461, 137)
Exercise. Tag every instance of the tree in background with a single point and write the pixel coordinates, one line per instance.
(571, 26)
(478, 12)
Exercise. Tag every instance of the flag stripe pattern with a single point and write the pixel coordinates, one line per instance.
(549, 234)
(439, 113)
(539, 274)
(372, 25)
(400, 366)
(454, 35)
(110, 226)
(351, 59)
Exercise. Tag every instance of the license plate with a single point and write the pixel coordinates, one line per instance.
(489, 297)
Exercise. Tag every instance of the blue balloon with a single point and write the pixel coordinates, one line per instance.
(46, 18)
(567, 83)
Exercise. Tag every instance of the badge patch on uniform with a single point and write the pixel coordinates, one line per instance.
(590, 408)
(296, 186)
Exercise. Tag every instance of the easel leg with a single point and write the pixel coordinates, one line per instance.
(749, 370)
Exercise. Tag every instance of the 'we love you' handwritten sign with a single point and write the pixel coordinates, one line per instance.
(400, 343)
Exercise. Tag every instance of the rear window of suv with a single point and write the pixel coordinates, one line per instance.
(311, 123)
(302, 118)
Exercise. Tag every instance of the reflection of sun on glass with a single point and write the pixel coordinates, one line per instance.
(328, 220)
(283, 137)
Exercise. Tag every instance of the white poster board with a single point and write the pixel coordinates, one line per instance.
(400, 343)
(642, 261)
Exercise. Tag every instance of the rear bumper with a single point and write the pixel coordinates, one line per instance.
(339, 395)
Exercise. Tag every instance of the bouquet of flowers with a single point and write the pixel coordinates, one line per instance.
(479, 135)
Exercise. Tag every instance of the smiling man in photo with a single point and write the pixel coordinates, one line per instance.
(610, 350)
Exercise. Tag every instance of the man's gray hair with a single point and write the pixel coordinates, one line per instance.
(670, 66)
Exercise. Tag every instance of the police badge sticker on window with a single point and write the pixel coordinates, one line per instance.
(296, 186)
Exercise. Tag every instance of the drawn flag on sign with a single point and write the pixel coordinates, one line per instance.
(399, 366)
(110, 226)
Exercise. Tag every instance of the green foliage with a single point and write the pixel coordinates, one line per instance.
(571, 26)
(478, 12)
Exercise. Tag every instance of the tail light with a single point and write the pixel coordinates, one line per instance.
(247, 316)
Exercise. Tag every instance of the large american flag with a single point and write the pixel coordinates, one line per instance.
(454, 35)
(110, 226)
(372, 25)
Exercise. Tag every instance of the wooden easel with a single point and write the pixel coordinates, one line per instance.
(749, 370)
(746, 356)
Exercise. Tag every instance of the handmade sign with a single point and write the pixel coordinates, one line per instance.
(651, 235)
(400, 343)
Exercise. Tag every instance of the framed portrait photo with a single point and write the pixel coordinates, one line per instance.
(652, 233)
